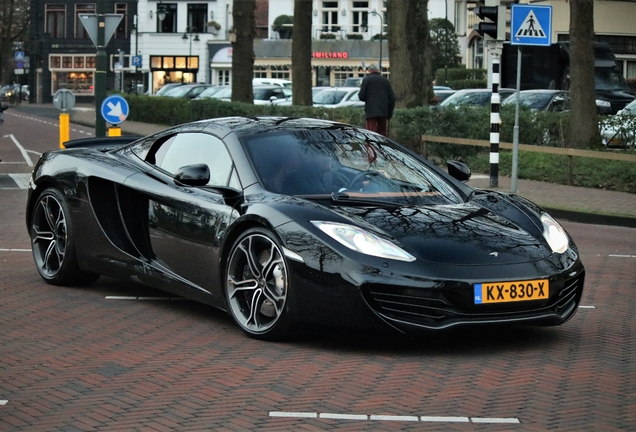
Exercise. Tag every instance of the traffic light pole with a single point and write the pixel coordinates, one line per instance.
(495, 48)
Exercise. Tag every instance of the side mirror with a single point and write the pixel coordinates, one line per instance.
(193, 175)
(458, 170)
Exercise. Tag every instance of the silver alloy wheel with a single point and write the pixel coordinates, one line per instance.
(257, 282)
(48, 234)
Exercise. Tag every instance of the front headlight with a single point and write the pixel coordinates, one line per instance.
(362, 241)
(554, 234)
(603, 103)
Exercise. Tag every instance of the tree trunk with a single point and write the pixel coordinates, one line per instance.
(301, 53)
(243, 51)
(409, 52)
(583, 127)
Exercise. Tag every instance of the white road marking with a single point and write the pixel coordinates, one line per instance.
(411, 418)
(15, 250)
(34, 152)
(25, 155)
(22, 180)
(292, 414)
(50, 123)
(143, 298)
(622, 256)
(4, 402)
(587, 307)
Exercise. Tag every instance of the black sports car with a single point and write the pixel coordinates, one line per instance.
(283, 221)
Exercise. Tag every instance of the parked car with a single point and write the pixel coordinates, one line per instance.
(473, 97)
(338, 97)
(353, 82)
(551, 100)
(271, 94)
(441, 94)
(188, 91)
(272, 81)
(541, 100)
(283, 222)
(166, 88)
(211, 91)
(619, 131)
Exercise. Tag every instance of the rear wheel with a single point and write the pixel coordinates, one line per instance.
(52, 241)
(257, 286)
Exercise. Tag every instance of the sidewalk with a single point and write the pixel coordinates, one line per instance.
(572, 203)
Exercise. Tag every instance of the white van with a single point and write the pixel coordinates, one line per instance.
(272, 81)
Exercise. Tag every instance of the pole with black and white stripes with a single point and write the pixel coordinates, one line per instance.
(495, 47)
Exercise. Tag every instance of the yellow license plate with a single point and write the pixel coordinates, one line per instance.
(503, 292)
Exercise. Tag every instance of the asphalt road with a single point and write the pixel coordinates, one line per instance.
(118, 356)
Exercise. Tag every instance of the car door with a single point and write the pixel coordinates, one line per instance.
(186, 223)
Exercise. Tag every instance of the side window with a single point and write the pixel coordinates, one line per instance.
(194, 148)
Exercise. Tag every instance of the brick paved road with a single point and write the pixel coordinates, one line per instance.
(72, 359)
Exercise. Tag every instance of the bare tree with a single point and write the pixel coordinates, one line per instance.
(301, 53)
(409, 51)
(243, 13)
(583, 127)
(14, 19)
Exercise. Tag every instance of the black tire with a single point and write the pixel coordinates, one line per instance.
(52, 241)
(257, 286)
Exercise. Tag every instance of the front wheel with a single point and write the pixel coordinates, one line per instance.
(257, 286)
(52, 241)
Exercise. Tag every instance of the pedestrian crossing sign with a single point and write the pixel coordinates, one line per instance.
(530, 25)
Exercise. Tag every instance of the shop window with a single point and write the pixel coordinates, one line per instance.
(180, 63)
(67, 62)
(55, 20)
(82, 8)
(80, 83)
(90, 62)
(78, 62)
(169, 22)
(55, 62)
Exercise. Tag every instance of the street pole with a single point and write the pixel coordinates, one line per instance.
(101, 64)
(375, 12)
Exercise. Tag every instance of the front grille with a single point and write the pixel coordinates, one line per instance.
(451, 303)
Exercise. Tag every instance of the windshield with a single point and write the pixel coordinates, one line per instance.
(223, 93)
(208, 92)
(166, 88)
(534, 101)
(329, 97)
(609, 79)
(349, 165)
(470, 98)
(178, 91)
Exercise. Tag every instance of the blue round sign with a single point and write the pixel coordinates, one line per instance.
(114, 109)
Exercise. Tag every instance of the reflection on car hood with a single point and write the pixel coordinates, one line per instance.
(461, 234)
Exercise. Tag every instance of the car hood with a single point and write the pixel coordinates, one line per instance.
(492, 228)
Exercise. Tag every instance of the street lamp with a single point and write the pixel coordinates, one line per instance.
(188, 35)
(374, 12)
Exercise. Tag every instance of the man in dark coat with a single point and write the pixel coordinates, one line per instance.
(377, 93)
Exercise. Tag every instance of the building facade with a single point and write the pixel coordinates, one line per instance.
(62, 54)
(161, 41)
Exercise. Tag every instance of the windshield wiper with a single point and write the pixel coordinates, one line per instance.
(344, 198)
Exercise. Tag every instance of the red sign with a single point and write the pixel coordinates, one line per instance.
(328, 55)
